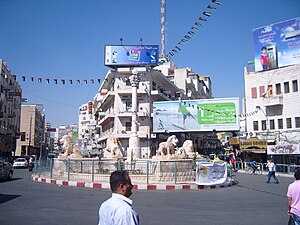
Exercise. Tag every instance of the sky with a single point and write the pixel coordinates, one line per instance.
(65, 39)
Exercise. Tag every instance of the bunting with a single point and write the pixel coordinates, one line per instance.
(192, 32)
(41, 80)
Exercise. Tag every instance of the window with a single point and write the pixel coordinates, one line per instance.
(288, 123)
(297, 122)
(255, 125)
(278, 89)
(261, 91)
(128, 83)
(128, 126)
(295, 85)
(128, 106)
(270, 91)
(263, 124)
(254, 92)
(286, 87)
(272, 125)
(280, 124)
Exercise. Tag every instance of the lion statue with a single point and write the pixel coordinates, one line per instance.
(168, 147)
(186, 149)
(70, 150)
(112, 149)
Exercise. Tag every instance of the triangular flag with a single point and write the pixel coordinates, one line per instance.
(202, 18)
(85, 81)
(47, 80)
(178, 48)
(187, 37)
(78, 81)
(31, 78)
(40, 80)
(63, 82)
(207, 13)
(55, 81)
(92, 81)
(198, 24)
(173, 50)
(211, 7)
(70, 81)
(216, 2)
(191, 32)
(195, 28)
(23, 78)
(99, 81)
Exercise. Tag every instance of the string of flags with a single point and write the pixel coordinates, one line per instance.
(59, 81)
(249, 114)
(195, 28)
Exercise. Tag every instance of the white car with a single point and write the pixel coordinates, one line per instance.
(20, 163)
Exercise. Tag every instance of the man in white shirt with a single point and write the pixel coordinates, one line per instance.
(272, 168)
(118, 210)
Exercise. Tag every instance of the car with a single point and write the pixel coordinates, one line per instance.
(6, 170)
(20, 163)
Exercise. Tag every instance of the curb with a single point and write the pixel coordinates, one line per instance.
(148, 187)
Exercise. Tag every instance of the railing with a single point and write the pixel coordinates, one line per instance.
(148, 171)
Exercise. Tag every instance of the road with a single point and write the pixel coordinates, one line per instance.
(252, 201)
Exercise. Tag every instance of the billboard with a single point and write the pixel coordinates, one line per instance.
(131, 55)
(277, 45)
(196, 115)
(285, 149)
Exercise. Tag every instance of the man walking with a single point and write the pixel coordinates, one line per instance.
(293, 195)
(118, 210)
(271, 166)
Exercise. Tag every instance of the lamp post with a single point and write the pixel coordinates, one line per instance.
(134, 141)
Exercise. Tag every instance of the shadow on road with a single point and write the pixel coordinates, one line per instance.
(6, 198)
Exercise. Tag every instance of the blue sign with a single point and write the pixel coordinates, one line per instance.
(277, 45)
(131, 55)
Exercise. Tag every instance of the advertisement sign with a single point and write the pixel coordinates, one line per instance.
(131, 55)
(292, 149)
(196, 115)
(277, 45)
(211, 173)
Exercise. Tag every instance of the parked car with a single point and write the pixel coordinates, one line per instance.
(6, 170)
(20, 163)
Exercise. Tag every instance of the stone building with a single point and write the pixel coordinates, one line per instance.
(113, 103)
(32, 130)
(10, 110)
(272, 97)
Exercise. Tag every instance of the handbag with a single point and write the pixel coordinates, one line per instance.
(291, 221)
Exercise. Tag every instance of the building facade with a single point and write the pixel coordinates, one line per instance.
(32, 131)
(272, 105)
(10, 111)
(113, 103)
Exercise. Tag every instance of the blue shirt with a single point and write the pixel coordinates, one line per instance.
(117, 210)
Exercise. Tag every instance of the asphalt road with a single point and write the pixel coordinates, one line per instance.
(252, 201)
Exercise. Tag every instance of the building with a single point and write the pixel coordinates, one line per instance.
(272, 90)
(71, 130)
(113, 103)
(10, 111)
(87, 132)
(32, 131)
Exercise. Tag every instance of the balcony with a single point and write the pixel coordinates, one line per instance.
(273, 101)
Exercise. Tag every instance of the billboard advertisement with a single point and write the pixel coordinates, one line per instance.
(277, 45)
(211, 173)
(285, 149)
(131, 55)
(196, 115)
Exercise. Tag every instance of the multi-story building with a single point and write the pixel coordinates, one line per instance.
(71, 130)
(10, 110)
(273, 96)
(113, 102)
(87, 126)
(32, 130)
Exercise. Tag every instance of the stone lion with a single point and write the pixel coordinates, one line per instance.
(168, 147)
(112, 149)
(70, 150)
(187, 148)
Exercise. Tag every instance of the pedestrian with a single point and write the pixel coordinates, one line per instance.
(118, 210)
(293, 195)
(272, 168)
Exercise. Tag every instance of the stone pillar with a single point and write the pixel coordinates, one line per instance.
(134, 141)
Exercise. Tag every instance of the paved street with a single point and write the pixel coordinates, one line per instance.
(252, 201)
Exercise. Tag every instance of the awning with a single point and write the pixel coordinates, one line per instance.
(255, 150)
